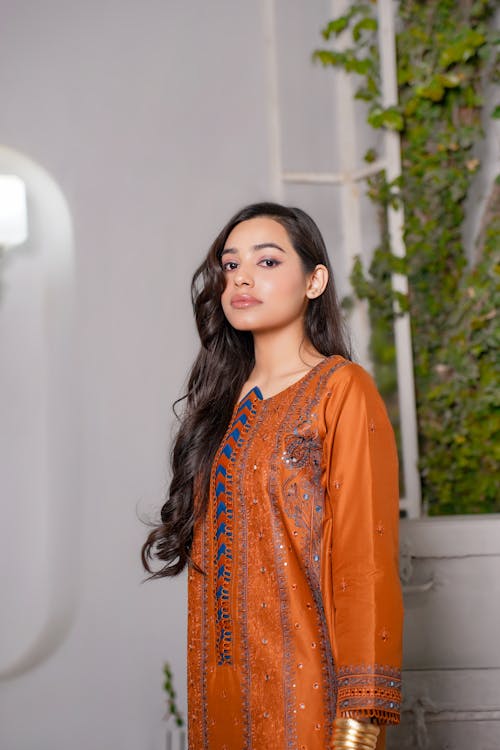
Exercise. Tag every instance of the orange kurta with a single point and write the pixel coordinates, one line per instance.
(299, 616)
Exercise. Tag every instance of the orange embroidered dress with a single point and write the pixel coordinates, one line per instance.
(299, 616)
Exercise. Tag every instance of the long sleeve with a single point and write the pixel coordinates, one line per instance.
(362, 590)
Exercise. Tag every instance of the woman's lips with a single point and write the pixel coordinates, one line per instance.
(244, 300)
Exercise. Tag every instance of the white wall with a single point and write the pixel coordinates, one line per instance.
(152, 119)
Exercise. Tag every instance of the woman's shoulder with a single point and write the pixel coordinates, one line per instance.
(338, 377)
(339, 370)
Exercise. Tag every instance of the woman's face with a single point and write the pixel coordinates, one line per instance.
(266, 286)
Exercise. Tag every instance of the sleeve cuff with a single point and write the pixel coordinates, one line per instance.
(369, 691)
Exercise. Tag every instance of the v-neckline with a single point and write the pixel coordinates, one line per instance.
(257, 391)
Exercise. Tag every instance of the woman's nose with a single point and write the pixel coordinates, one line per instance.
(242, 276)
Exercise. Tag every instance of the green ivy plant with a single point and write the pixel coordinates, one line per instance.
(447, 53)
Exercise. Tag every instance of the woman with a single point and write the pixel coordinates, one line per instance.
(284, 505)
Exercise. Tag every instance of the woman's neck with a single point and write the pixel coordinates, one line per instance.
(283, 353)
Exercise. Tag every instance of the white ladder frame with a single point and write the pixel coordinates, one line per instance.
(348, 179)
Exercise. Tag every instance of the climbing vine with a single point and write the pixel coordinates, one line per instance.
(447, 55)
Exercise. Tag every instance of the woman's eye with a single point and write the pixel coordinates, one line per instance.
(232, 265)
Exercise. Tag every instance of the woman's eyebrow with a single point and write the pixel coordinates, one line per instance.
(260, 246)
(268, 244)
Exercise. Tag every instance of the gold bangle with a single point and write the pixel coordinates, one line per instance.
(350, 734)
(354, 724)
(346, 743)
(342, 743)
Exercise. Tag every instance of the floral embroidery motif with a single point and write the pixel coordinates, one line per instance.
(302, 456)
(384, 634)
(302, 450)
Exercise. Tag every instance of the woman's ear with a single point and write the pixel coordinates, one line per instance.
(317, 282)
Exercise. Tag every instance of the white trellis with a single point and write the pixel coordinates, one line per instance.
(348, 178)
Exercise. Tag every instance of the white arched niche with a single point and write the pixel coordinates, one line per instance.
(39, 466)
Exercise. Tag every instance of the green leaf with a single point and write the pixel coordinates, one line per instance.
(329, 57)
(364, 94)
(366, 24)
(462, 49)
(450, 80)
(370, 156)
(336, 27)
(390, 118)
(433, 90)
(393, 119)
(357, 65)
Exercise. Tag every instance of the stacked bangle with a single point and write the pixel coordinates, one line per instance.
(350, 734)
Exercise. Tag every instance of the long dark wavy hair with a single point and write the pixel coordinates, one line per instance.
(224, 363)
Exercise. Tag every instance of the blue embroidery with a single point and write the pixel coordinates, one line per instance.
(223, 528)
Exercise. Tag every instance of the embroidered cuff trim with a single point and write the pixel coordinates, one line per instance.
(369, 691)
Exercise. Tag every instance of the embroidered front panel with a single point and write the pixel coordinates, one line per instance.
(245, 607)
(374, 685)
(223, 528)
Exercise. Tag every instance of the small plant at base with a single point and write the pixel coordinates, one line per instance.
(168, 686)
